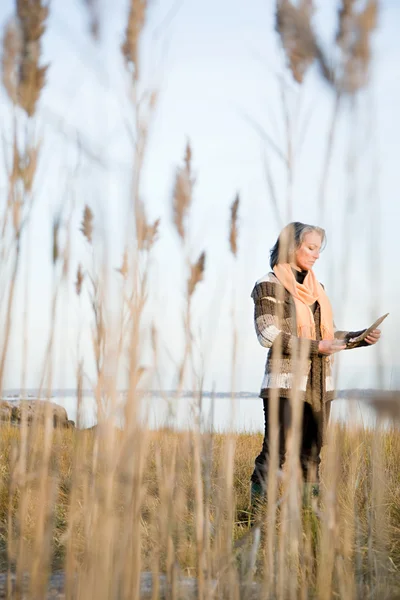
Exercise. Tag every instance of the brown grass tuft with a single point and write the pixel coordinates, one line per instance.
(124, 268)
(354, 40)
(233, 233)
(293, 23)
(79, 280)
(56, 230)
(196, 273)
(136, 22)
(87, 224)
(12, 48)
(29, 165)
(183, 191)
(146, 233)
(350, 72)
(152, 234)
(32, 15)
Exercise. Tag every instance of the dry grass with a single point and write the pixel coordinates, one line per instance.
(349, 71)
(293, 23)
(183, 193)
(32, 15)
(135, 24)
(196, 273)
(167, 509)
(233, 229)
(87, 224)
(107, 504)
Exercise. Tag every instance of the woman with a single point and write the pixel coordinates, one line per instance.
(293, 318)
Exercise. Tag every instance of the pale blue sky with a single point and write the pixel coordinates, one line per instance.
(213, 63)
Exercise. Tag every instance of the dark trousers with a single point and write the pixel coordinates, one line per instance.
(311, 442)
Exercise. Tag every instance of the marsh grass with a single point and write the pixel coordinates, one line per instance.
(107, 504)
(168, 517)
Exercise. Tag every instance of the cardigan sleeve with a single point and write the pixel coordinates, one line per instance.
(268, 304)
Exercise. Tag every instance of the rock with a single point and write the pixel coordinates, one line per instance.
(35, 410)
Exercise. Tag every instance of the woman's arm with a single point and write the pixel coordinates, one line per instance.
(270, 311)
(269, 333)
(268, 314)
(346, 336)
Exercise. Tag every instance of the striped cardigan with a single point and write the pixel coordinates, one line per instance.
(292, 362)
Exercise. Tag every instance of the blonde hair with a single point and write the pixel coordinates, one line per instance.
(290, 238)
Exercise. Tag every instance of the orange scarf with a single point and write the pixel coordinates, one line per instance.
(304, 295)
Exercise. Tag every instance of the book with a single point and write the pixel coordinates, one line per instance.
(354, 341)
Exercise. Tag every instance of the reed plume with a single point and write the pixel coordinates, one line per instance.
(87, 224)
(124, 268)
(350, 72)
(56, 230)
(233, 230)
(23, 80)
(354, 41)
(183, 192)
(293, 23)
(146, 233)
(196, 273)
(135, 25)
(12, 49)
(32, 15)
(79, 280)
(152, 234)
(28, 166)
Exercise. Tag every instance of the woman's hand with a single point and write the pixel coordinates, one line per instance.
(329, 347)
(373, 337)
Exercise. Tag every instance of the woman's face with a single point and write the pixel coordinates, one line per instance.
(306, 255)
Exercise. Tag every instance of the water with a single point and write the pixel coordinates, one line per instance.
(243, 414)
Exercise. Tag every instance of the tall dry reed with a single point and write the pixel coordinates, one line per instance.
(110, 505)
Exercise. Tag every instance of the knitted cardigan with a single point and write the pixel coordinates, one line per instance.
(293, 363)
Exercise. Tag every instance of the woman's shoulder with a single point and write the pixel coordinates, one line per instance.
(266, 286)
(267, 278)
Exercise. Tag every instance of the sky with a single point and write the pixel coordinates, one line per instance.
(218, 68)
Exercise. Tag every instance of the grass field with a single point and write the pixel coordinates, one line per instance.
(187, 506)
(104, 506)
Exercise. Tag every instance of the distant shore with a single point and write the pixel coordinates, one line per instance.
(32, 394)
